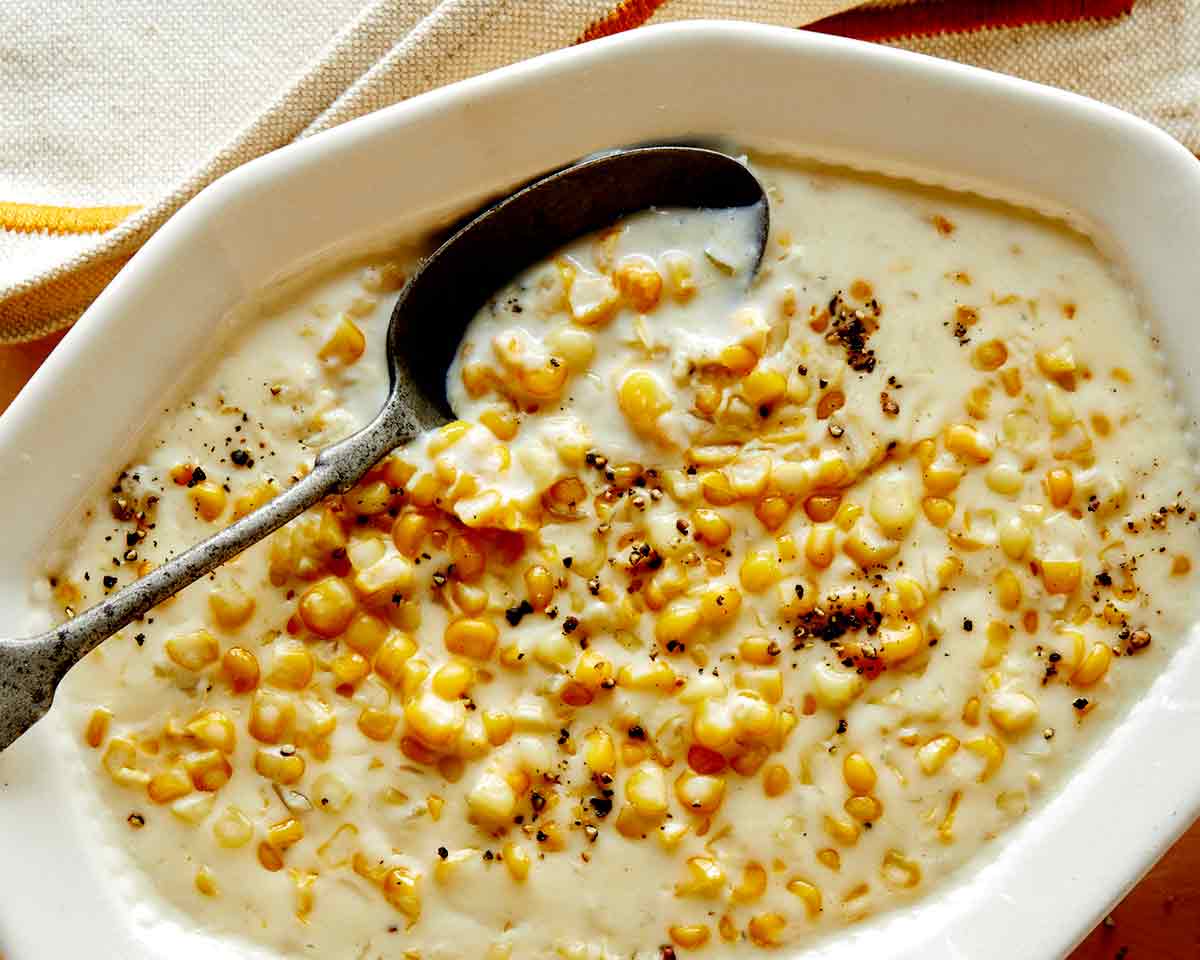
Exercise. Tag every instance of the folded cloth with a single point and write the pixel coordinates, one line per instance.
(115, 116)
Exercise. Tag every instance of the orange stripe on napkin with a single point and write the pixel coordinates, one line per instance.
(36, 218)
(624, 16)
(930, 17)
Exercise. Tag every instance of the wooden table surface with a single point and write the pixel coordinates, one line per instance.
(1159, 920)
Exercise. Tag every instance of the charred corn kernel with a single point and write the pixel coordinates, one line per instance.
(471, 637)
(819, 546)
(643, 399)
(232, 829)
(193, 651)
(1014, 536)
(292, 668)
(539, 586)
(858, 773)
(764, 388)
(990, 355)
(700, 793)
(1012, 712)
(998, 636)
(776, 780)
(327, 607)
(703, 877)
(809, 895)
(1058, 362)
(690, 936)
(282, 765)
(365, 634)
(272, 715)
(1008, 590)
(646, 790)
(170, 784)
(834, 686)
(453, 679)
(716, 488)
(766, 929)
(1093, 666)
(409, 532)
(230, 605)
(938, 510)
(752, 885)
(516, 859)
(208, 769)
(760, 570)
(710, 527)
(345, 344)
(991, 751)
(97, 727)
(491, 800)
(967, 443)
(1060, 486)
(892, 504)
(209, 499)
(864, 809)
(599, 753)
(392, 656)
(1061, 576)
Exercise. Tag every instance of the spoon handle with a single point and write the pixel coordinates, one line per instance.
(31, 668)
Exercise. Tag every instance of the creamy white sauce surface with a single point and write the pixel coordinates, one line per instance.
(733, 610)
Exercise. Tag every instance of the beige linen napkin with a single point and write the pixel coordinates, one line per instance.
(114, 116)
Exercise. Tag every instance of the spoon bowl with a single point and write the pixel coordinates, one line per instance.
(424, 332)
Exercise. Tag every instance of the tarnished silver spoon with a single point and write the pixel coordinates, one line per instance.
(426, 326)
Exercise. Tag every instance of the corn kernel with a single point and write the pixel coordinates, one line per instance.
(643, 399)
(392, 656)
(646, 790)
(231, 606)
(1061, 576)
(691, 936)
(766, 929)
(471, 637)
(193, 651)
(327, 607)
(209, 499)
(858, 773)
(282, 765)
(933, 754)
(1012, 712)
(292, 668)
(1008, 590)
(169, 785)
(1060, 486)
(967, 443)
(1093, 666)
(991, 751)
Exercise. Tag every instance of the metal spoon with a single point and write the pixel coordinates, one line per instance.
(424, 333)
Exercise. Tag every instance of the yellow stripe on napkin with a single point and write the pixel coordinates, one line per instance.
(37, 218)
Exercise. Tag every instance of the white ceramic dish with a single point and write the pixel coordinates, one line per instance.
(403, 169)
